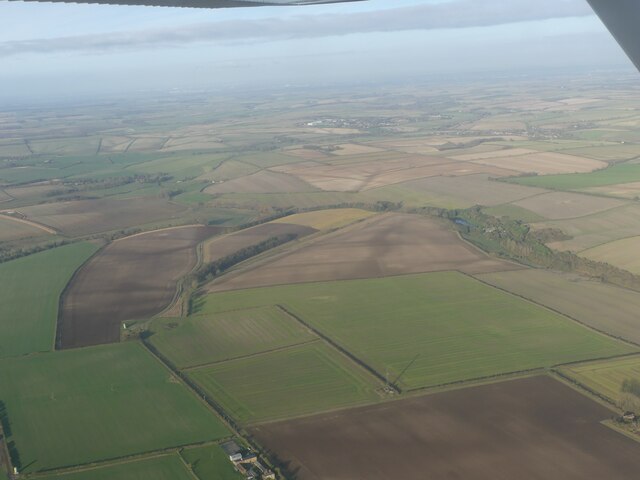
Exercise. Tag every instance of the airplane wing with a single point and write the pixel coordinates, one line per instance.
(202, 3)
(622, 18)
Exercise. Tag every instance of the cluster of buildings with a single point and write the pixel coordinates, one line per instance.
(247, 462)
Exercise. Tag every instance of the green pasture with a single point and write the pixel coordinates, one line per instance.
(301, 380)
(31, 288)
(79, 406)
(206, 339)
(168, 467)
(431, 329)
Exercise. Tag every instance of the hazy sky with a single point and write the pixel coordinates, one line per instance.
(48, 49)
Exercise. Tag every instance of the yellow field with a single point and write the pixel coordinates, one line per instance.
(327, 219)
(545, 163)
(622, 253)
(606, 377)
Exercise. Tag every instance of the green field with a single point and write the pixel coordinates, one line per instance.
(31, 288)
(301, 380)
(168, 467)
(514, 212)
(210, 463)
(78, 406)
(206, 339)
(624, 173)
(437, 328)
(606, 377)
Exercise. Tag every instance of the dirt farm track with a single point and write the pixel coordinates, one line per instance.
(533, 429)
(133, 278)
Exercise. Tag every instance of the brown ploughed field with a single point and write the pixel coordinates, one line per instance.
(391, 244)
(132, 278)
(533, 429)
(218, 248)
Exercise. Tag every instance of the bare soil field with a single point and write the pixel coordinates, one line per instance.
(474, 189)
(85, 217)
(545, 163)
(560, 205)
(390, 244)
(132, 278)
(220, 247)
(535, 429)
(261, 182)
(607, 308)
(367, 174)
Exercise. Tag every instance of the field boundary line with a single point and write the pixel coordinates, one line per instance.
(341, 349)
(562, 314)
(187, 466)
(4, 453)
(251, 355)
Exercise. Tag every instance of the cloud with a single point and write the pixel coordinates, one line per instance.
(453, 14)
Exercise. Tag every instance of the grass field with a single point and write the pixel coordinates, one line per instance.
(327, 219)
(301, 380)
(436, 328)
(210, 463)
(514, 212)
(31, 288)
(168, 467)
(606, 377)
(561, 205)
(80, 406)
(604, 307)
(624, 173)
(206, 339)
(621, 253)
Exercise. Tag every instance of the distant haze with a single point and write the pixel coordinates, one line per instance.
(48, 50)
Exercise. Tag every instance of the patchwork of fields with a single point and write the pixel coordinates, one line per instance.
(430, 329)
(378, 344)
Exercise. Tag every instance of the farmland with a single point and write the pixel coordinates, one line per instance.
(621, 253)
(31, 287)
(51, 402)
(603, 307)
(84, 217)
(597, 229)
(390, 244)
(531, 428)
(199, 340)
(130, 279)
(14, 229)
(624, 173)
(606, 378)
(431, 329)
(545, 163)
(326, 219)
(261, 182)
(560, 205)
(219, 247)
(168, 467)
(296, 381)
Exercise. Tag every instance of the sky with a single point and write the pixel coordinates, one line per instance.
(50, 49)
